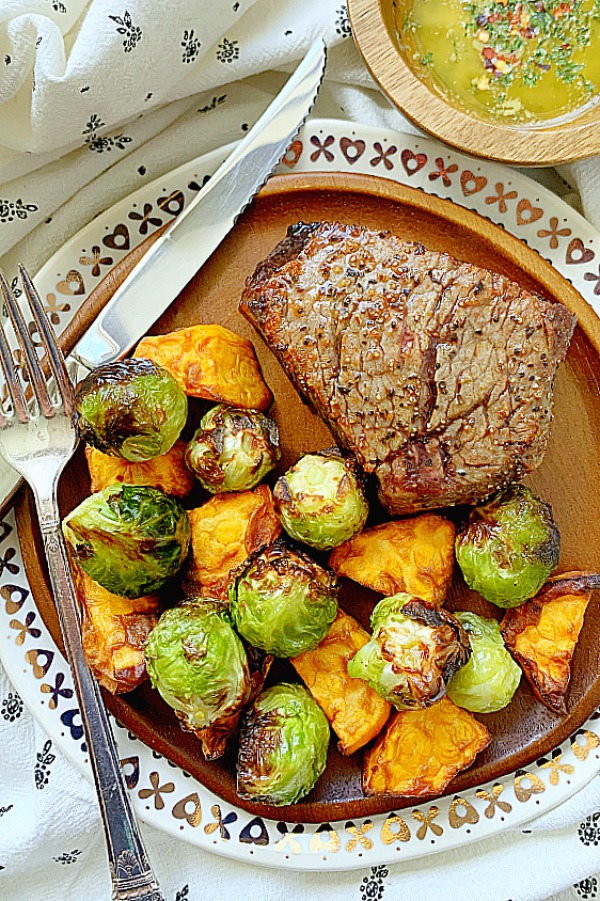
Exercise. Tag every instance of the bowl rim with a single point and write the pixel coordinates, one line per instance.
(429, 111)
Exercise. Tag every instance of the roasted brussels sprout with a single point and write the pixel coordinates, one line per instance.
(131, 539)
(415, 649)
(509, 547)
(320, 500)
(283, 746)
(132, 409)
(489, 679)
(198, 664)
(233, 449)
(282, 601)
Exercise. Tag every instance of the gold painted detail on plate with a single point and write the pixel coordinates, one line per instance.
(494, 800)
(325, 840)
(394, 829)
(24, 629)
(189, 808)
(289, 841)
(426, 820)
(156, 791)
(14, 597)
(33, 659)
(220, 823)
(556, 768)
(359, 836)
(524, 791)
(581, 751)
(462, 812)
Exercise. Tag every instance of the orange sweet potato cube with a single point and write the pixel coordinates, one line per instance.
(414, 555)
(225, 531)
(356, 713)
(210, 362)
(168, 471)
(542, 634)
(114, 632)
(422, 750)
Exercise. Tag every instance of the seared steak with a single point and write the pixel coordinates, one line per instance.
(437, 374)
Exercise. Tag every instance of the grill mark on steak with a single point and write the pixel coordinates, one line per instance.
(437, 374)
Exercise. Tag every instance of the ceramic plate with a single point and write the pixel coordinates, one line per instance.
(163, 794)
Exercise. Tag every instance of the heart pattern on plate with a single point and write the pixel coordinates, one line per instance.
(118, 239)
(578, 253)
(527, 212)
(412, 162)
(72, 283)
(471, 183)
(352, 150)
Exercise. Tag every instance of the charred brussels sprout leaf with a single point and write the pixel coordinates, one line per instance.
(283, 746)
(131, 539)
(233, 449)
(320, 500)
(509, 547)
(282, 601)
(198, 664)
(132, 409)
(414, 650)
(488, 681)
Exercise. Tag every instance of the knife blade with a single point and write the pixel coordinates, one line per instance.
(192, 237)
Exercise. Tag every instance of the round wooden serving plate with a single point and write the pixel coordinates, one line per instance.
(568, 478)
(556, 142)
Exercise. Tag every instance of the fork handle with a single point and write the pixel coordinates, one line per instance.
(132, 875)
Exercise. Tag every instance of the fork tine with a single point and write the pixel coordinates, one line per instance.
(13, 384)
(30, 358)
(55, 354)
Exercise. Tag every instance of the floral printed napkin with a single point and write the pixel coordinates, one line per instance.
(96, 99)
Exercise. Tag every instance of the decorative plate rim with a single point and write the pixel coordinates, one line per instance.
(163, 794)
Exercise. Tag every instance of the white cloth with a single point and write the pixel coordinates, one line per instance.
(97, 98)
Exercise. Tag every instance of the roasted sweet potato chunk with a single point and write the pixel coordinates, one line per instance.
(422, 750)
(114, 631)
(168, 471)
(542, 633)
(210, 362)
(356, 713)
(413, 555)
(225, 531)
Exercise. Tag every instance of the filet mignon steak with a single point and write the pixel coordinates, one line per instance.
(437, 374)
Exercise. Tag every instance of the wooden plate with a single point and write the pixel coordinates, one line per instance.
(568, 479)
(560, 141)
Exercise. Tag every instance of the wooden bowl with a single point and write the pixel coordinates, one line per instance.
(374, 30)
(525, 730)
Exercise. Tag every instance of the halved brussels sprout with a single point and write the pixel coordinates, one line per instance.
(282, 601)
(198, 664)
(283, 746)
(414, 650)
(509, 547)
(320, 500)
(131, 539)
(233, 449)
(132, 409)
(489, 679)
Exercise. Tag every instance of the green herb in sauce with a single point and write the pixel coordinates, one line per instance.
(526, 60)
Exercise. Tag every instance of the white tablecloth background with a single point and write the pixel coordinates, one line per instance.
(97, 98)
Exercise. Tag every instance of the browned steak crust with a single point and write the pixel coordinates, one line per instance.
(437, 374)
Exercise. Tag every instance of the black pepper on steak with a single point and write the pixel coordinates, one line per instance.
(437, 374)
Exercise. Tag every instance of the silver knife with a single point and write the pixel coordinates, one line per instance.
(192, 237)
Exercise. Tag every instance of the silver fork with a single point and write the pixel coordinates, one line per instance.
(37, 438)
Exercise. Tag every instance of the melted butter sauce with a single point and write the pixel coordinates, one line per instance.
(523, 61)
